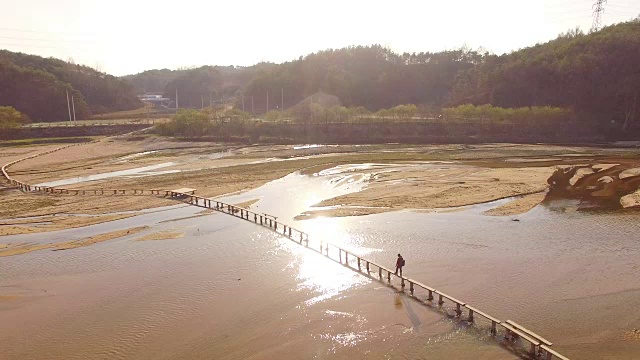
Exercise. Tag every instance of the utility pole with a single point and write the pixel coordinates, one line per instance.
(176, 98)
(73, 104)
(598, 10)
(201, 102)
(68, 106)
(252, 110)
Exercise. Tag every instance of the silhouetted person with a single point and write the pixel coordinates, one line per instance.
(399, 264)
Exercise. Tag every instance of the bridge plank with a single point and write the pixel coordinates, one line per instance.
(540, 338)
(522, 334)
(483, 314)
(186, 191)
(451, 298)
(552, 352)
(422, 285)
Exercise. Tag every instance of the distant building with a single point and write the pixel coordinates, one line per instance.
(155, 99)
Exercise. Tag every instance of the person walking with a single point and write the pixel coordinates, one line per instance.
(399, 264)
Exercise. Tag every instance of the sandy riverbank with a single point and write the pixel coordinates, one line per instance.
(23, 248)
(462, 175)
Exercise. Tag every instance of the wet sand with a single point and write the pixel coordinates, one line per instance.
(475, 174)
(137, 296)
(12, 249)
(230, 290)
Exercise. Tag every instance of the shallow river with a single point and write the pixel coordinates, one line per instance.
(231, 290)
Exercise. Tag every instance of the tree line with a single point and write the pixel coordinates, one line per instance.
(37, 87)
(594, 75)
(402, 123)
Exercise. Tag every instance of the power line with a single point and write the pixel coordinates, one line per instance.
(598, 10)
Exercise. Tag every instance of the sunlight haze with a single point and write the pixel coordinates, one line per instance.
(124, 37)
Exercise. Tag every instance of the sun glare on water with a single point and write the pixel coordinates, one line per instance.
(323, 277)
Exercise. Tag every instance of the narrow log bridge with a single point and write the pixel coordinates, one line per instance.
(539, 347)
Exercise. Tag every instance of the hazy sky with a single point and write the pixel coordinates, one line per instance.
(123, 37)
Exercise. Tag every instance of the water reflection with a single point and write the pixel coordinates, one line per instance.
(140, 171)
(319, 274)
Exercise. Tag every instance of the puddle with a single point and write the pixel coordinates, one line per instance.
(134, 156)
(137, 172)
(312, 146)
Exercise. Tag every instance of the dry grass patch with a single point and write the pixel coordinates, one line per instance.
(517, 206)
(53, 223)
(162, 235)
(23, 248)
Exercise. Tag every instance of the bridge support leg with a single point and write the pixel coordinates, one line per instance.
(290, 236)
(346, 258)
(458, 310)
(430, 298)
(440, 300)
(368, 271)
(340, 255)
(494, 331)
(359, 268)
(470, 318)
(389, 276)
(411, 288)
(380, 274)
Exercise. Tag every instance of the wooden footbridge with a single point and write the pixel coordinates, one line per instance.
(539, 347)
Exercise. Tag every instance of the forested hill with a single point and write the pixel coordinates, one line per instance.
(37, 86)
(208, 82)
(597, 75)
